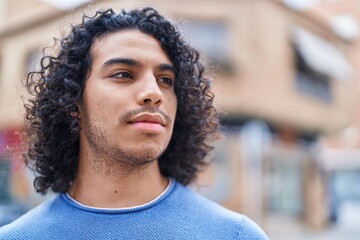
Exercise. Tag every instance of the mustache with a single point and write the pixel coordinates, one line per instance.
(130, 114)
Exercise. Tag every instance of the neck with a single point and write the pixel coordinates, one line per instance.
(96, 187)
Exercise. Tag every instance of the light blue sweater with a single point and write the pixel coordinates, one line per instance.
(178, 213)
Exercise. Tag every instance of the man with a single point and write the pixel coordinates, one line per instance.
(120, 121)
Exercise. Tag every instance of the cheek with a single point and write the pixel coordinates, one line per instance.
(172, 105)
(99, 109)
(96, 108)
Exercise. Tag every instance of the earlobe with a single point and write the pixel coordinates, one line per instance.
(77, 115)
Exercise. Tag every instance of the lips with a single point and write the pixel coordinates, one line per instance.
(148, 118)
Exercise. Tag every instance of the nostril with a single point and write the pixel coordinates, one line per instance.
(150, 99)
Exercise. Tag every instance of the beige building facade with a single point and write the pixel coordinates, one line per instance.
(258, 49)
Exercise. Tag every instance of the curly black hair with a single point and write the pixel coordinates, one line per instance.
(57, 88)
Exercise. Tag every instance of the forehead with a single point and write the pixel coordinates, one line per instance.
(128, 43)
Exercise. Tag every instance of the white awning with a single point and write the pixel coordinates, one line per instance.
(344, 26)
(65, 4)
(321, 55)
(300, 5)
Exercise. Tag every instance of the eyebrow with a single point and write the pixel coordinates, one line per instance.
(167, 67)
(133, 63)
(127, 61)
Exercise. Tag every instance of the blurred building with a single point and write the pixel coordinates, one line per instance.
(285, 81)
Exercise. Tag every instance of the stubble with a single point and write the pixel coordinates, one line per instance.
(112, 159)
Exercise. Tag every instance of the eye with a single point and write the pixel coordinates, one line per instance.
(168, 82)
(121, 75)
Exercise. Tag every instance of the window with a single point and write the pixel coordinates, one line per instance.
(318, 63)
(310, 81)
(4, 170)
(210, 38)
(4, 180)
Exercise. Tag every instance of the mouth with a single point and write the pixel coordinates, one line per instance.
(148, 118)
(148, 123)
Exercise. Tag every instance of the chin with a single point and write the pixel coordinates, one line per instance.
(151, 153)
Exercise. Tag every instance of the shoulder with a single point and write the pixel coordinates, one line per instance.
(250, 230)
(36, 219)
(210, 215)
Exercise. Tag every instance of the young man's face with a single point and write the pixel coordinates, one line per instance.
(129, 105)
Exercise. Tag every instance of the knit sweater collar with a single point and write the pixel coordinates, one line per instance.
(68, 199)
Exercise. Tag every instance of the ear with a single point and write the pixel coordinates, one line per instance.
(77, 114)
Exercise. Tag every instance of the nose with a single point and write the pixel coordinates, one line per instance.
(150, 93)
